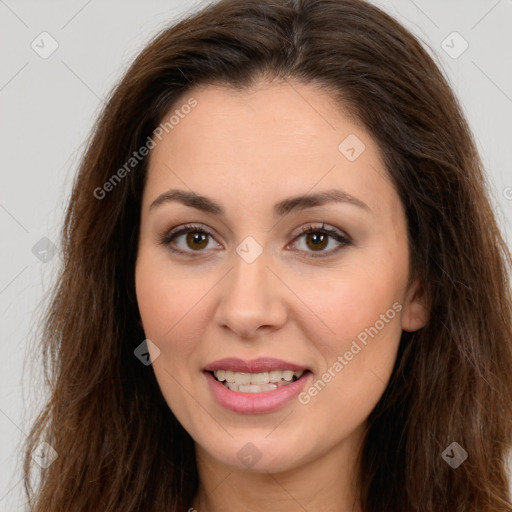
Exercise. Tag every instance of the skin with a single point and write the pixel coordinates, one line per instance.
(248, 151)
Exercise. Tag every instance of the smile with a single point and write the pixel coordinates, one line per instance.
(257, 386)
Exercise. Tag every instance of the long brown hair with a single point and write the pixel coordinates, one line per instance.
(120, 447)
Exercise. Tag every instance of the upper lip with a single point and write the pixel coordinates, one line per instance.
(259, 365)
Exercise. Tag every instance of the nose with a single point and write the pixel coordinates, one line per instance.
(252, 301)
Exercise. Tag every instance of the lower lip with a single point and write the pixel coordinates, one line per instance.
(255, 403)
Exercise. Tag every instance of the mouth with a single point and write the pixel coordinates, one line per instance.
(261, 382)
(258, 386)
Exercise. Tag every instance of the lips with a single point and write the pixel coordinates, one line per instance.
(262, 364)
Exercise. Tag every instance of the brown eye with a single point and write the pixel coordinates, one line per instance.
(197, 240)
(189, 239)
(317, 238)
(317, 241)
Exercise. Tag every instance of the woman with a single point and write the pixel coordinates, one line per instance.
(282, 209)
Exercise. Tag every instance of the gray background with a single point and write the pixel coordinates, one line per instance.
(48, 106)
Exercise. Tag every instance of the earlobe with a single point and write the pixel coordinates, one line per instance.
(415, 313)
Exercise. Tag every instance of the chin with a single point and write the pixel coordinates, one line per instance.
(259, 454)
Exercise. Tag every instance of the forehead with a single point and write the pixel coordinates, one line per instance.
(276, 119)
(272, 141)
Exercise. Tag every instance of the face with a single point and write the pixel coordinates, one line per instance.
(298, 301)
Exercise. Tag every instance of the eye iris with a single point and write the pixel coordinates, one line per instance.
(319, 240)
(197, 237)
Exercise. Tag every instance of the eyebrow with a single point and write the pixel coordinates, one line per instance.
(282, 208)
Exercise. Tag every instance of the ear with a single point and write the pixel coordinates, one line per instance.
(415, 314)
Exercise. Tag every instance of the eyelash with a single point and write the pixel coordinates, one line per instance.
(310, 228)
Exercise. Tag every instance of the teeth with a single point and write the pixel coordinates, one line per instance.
(288, 375)
(257, 379)
(251, 388)
(275, 376)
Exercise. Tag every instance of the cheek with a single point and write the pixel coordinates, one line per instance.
(170, 303)
(359, 360)
(347, 302)
(359, 335)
